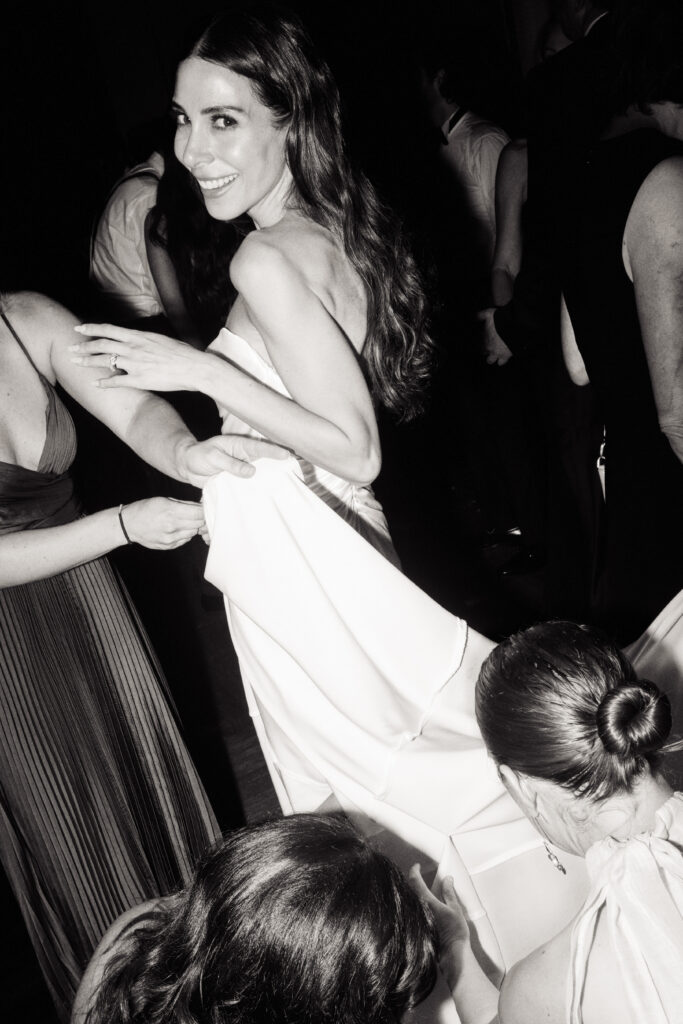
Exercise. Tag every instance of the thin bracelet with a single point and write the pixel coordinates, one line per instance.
(123, 528)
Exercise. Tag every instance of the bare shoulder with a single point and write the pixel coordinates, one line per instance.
(658, 206)
(654, 228)
(37, 311)
(663, 183)
(535, 989)
(262, 258)
(293, 246)
(39, 321)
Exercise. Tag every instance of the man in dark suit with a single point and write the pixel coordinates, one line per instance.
(568, 105)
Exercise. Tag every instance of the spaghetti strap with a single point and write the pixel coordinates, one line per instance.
(21, 345)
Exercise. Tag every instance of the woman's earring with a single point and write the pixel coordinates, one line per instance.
(556, 863)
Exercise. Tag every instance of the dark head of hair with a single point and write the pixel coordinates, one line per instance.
(647, 53)
(295, 920)
(469, 69)
(561, 702)
(271, 48)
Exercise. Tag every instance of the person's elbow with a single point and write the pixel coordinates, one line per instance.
(674, 435)
(363, 458)
(367, 464)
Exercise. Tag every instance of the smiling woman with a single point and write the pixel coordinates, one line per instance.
(229, 142)
(329, 321)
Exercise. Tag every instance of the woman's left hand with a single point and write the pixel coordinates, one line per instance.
(152, 362)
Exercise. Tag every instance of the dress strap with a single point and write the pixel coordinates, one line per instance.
(21, 345)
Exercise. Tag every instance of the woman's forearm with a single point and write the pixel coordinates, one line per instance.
(353, 454)
(31, 555)
(502, 286)
(158, 435)
(474, 994)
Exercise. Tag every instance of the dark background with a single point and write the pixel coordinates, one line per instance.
(82, 83)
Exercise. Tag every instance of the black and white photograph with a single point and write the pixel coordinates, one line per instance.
(341, 512)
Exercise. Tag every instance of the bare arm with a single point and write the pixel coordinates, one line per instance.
(160, 523)
(573, 359)
(511, 182)
(474, 994)
(653, 257)
(148, 424)
(329, 419)
(145, 422)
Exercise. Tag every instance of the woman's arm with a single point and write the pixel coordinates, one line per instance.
(329, 419)
(573, 360)
(511, 181)
(474, 994)
(159, 523)
(145, 422)
(653, 258)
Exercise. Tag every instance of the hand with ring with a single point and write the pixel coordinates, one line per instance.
(138, 359)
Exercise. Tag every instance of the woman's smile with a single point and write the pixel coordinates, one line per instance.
(216, 185)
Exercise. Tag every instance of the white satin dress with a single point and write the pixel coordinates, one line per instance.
(362, 687)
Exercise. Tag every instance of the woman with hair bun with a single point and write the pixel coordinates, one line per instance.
(578, 741)
(297, 919)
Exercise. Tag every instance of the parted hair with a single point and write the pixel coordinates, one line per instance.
(294, 921)
(561, 702)
(271, 48)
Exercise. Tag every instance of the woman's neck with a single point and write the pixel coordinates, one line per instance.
(625, 814)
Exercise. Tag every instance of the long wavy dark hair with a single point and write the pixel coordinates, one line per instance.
(295, 921)
(271, 48)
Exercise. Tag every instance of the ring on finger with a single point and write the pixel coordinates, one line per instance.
(112, 361)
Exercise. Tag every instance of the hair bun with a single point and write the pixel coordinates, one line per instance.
(634, 719)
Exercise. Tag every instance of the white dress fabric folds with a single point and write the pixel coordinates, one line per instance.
(362, 687)
(638, 885)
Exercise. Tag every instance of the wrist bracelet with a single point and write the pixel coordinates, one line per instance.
(123, 528)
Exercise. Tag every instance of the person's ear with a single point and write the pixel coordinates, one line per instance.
(521, 789)
(516, 784)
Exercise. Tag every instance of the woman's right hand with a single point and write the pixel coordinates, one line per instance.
(163, 523)
(448, 913)
(230, 453)
(474, 994)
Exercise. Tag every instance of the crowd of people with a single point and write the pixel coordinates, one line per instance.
(251, 263)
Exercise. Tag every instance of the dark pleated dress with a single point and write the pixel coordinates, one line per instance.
(100, 805)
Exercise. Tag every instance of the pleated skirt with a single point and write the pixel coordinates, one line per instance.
(100, 804)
